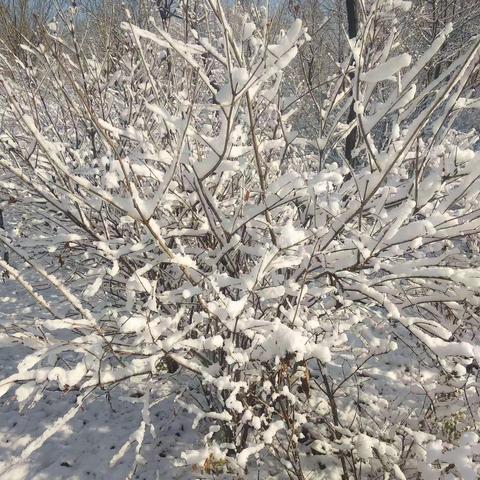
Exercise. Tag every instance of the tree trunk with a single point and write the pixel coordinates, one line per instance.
(352, 33)
(352, 18)
(2, 226)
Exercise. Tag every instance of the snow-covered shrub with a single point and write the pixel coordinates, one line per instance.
(320, 313)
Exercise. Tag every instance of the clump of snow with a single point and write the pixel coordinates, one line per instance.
(387, 70)
(289, 236)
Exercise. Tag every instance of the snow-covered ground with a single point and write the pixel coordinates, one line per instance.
(83, 448)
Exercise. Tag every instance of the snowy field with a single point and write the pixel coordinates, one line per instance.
(83, 448)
